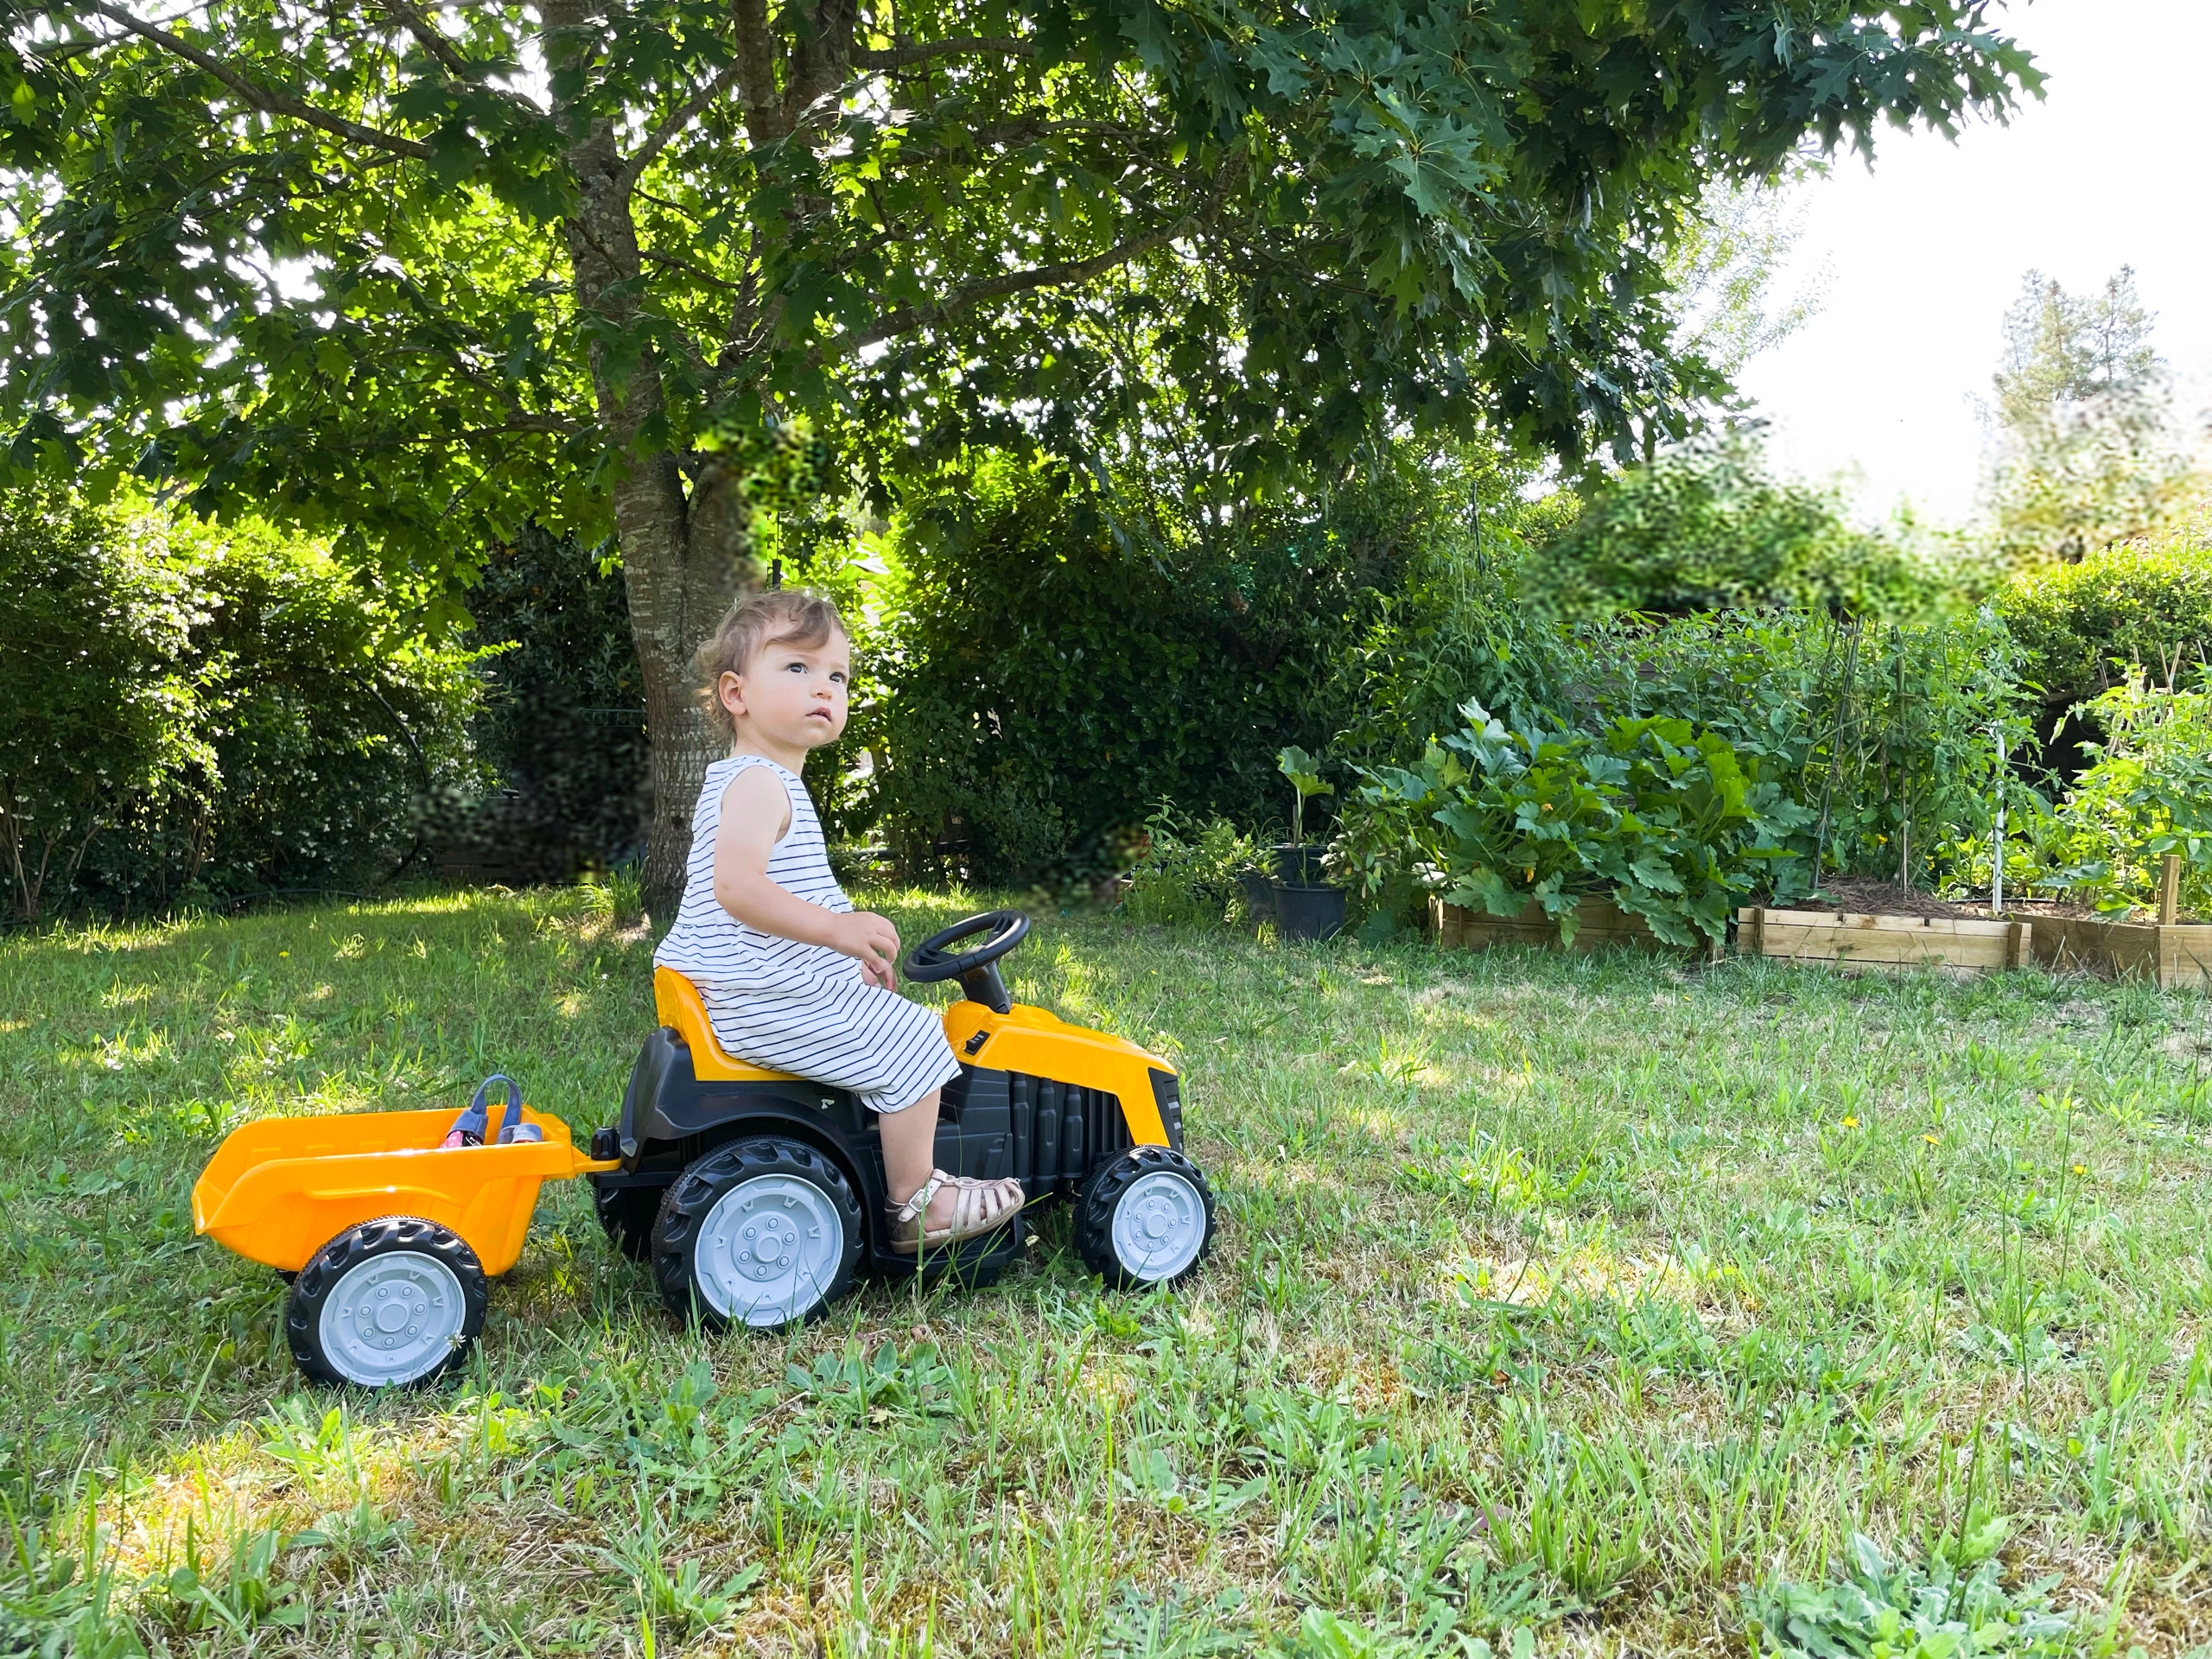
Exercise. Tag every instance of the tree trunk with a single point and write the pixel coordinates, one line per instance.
(681, 559)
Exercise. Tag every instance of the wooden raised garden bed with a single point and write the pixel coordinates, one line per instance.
(1597, 923)
(2177, 954)
(1857, 942)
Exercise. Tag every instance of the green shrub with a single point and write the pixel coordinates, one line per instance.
(2079, 626)
(1045, 677)
(1889, 734)
(108, 704)
(1188, 872)
(333, 721)
(1706, 529)
(1666, 820)
(1885, 736)
(2147, 792)
(562, 725)
(207, 713)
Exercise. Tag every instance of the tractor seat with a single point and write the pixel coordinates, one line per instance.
(684, 1011)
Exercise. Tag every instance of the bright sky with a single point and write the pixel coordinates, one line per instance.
(1924, 253)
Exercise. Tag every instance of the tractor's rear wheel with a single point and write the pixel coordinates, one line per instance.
(391, 1303)
(762, 1232)
(1146, 1218)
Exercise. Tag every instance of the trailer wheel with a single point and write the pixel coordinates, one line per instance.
(391, 1303)
(761, 1232)
(1146, 1218)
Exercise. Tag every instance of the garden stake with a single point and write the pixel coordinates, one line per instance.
(1903, 780)
(2168, 889)
(1997, 850)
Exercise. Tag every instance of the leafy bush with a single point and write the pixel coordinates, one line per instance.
(1665, 819)
(1188, 872)
(1884, 737)
(2147, 792)
(1046, 673)
(107, 709)
(332, 722)
(1887, 735)
(562, 725)
(1706, 529)
(207, 712)
(2079, 626)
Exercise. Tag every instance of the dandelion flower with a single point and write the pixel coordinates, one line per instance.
(1850, 1122)
(1931, 1140)
(283, 953)
(2080, 1169)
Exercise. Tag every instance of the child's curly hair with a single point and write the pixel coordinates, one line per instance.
(795, 616)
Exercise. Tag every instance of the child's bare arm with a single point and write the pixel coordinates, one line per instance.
(755, 811)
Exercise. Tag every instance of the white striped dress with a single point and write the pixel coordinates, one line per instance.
(793, 1006)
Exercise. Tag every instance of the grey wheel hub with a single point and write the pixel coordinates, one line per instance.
(1160, 1226)
(769, 1250)
(392, 1319)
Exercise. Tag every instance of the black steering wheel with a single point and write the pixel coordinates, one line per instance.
(977, 969)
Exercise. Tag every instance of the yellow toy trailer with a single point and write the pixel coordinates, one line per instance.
(389, 1237)
(756, 1197)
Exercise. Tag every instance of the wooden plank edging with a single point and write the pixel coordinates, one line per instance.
(1859, 940)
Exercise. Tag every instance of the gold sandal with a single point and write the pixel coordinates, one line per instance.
(981, 1207)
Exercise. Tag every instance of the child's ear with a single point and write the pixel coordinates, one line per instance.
(731, 691)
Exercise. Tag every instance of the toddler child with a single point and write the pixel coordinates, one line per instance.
(795, 979)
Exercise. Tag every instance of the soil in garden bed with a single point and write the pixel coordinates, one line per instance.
(1864, 895)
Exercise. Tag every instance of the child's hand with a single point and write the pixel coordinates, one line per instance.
(872, 941)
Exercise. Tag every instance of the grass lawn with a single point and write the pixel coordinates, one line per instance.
(1560, 1305)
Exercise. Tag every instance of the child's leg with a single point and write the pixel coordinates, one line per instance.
(910, 1156)
(909, 1147)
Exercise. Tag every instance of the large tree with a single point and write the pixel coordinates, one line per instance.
(422, 270)
(2088, 449)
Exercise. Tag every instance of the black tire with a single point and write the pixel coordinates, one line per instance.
(627, 1213)
(679, 1232)
(325, 1355)
(1102, 1197)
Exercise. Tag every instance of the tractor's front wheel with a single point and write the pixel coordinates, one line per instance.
(1146, 1218)
(762, 1232)
(390, 1303)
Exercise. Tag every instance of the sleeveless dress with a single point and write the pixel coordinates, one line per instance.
(788, 1006)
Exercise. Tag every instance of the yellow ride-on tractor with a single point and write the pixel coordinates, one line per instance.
(757, 1197)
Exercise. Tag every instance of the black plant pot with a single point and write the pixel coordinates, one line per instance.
(1259, 894)
(1304, 912)
(1299, 866)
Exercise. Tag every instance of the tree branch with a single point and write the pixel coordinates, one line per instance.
(907, 318)
(756, 64)
(268, 100)
(678, 262)
(899, 57)
(428, 37)
(665, 134)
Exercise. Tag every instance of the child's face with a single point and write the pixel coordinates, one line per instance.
(790, 694)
